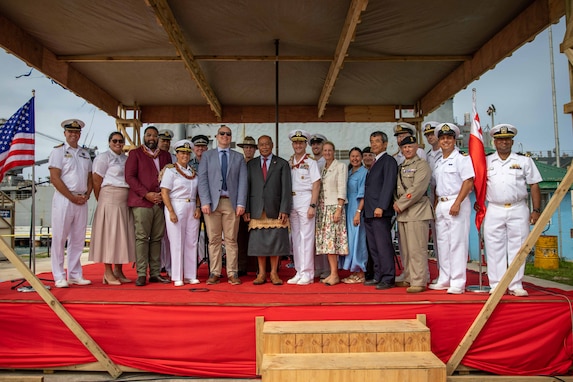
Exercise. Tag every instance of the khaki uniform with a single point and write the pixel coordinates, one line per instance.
(412, 183)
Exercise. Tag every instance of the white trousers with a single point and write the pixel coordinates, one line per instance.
(504, 232)
(302, 234)
(453, 241)
(183, 240)
(69, 222)
(166, 252)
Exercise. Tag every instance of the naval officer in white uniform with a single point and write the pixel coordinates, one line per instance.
(71, 174)
(182, 212)
(507, 218)
(305, 189)
(454, 179)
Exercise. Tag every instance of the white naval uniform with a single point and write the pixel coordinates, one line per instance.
(452, 231)
(69, 220)
(506, 222)
(303, 175)
(183, 234)
(432, 157)
(165, 246)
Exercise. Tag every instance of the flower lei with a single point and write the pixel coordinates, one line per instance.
(152, 156)
(178, 168)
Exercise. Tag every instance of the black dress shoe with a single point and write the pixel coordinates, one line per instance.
(371, 282)
(140, 281)
(158, 279)
(384, 285)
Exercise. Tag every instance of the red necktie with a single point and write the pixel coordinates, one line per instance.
(265, 168)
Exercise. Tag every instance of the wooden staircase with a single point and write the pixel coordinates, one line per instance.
(352, 350)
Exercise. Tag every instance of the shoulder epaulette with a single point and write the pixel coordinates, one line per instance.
(170, 165)
(463, 153)
(488, 154)
(57, 146)
(524, 154)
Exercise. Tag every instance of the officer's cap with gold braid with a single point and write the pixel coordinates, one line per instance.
(447, 129)
(299, 135)
(503, 130)
(430, 127)
(73, 124)
(403, 127)
(184, 145)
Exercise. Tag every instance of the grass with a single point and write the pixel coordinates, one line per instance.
(563, 275)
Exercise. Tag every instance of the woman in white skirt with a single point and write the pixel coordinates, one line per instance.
(182, 211)
(113, 234)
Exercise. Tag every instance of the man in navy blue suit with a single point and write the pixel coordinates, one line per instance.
(378, 199)
(223, 193)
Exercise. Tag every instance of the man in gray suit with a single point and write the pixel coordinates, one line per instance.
(223, 193)
(268, 206)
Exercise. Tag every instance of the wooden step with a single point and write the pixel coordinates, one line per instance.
(346, 367)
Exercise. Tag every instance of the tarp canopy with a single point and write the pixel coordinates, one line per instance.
(205, 61)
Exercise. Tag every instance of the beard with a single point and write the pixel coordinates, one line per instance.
(152, 145)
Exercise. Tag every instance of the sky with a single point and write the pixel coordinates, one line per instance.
(519, 87)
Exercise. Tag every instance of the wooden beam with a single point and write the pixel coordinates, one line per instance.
(27, 48)
(266, 114)
(346, 37)
(171, 26)
(494, 299)
(224, 58)
(61, 312)
(538, 16)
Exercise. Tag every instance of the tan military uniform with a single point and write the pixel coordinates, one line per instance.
(412, 183)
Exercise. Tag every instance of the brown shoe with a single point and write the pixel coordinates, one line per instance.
(213, 279)
(415, 289)
(402, 284)
(234, 280)
(261, 279)
(276, 280)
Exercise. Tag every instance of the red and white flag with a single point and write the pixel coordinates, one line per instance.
(477, 154)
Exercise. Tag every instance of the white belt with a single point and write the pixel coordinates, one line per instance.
(301, 192)
(184, 200)
(448, 197)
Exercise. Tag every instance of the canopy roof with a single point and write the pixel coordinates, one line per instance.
(205, 61)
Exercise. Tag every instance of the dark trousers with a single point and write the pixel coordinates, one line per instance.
(379, 239)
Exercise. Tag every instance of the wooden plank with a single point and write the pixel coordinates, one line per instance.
(279, 343)
(346, 326)
(507, 378)
(417, 342)
(499, 291)
(259, 342)
(362, 342)
(335, 343)
(308, 343)
(61, 312)
(390, 342)
(21, 378)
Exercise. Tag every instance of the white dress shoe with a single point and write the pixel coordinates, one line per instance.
(437, 286)
(455, 290)
(519, 292)
(305, 281)
(192, 281)
(62, 283)
(178, 283)
(80, 281)
(294, 280)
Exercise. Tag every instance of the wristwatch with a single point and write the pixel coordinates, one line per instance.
(536, 210)
(313, 205)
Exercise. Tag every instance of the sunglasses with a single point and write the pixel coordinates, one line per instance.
(117, 141)
(225, 133)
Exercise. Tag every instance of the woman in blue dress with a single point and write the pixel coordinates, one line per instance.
(357, 257)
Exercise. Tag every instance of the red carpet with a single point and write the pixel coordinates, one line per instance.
(207, 331)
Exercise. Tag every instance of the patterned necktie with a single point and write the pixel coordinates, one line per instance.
(224, 169)
(265, 168)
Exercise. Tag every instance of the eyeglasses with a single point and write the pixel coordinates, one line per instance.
(117, 141)
(225, 133)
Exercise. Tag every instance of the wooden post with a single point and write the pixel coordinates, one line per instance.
(61, 312)
(499, 290)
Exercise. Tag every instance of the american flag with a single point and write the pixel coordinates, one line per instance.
(17, 139)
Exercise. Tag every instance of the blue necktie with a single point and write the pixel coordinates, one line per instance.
(224, 169)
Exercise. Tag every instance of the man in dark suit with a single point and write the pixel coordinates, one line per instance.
(268, 206)
(378, 200)
(223, 193)
(141, 173)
